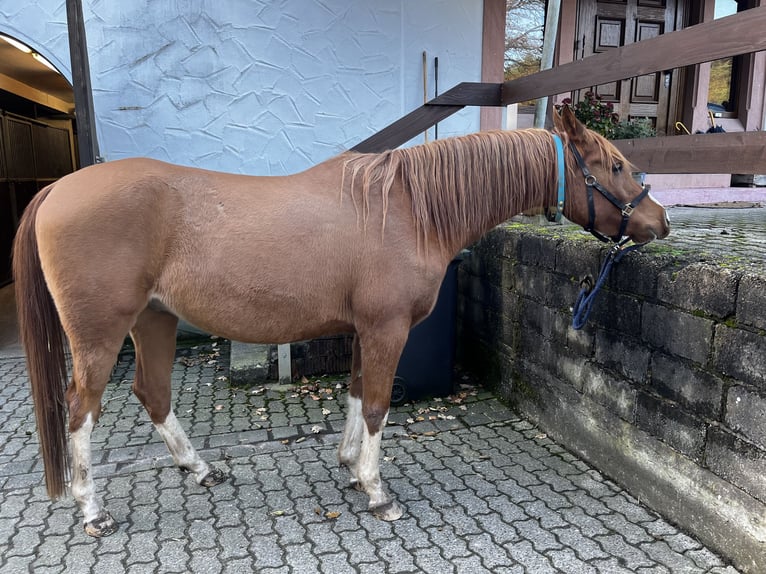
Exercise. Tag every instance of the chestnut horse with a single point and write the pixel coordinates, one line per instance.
(357, 244)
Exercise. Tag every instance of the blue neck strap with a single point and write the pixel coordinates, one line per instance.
(561, 177)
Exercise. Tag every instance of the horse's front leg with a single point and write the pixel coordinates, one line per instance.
(351, 442)
(380, 352)
(154, 336)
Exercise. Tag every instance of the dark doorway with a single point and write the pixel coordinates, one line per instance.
(36, 148)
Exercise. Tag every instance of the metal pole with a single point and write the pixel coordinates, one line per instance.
(83, 95)
(549, 47)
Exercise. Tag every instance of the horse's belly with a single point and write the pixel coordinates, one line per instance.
(265, 319)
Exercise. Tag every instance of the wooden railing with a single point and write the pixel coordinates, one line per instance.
(740, 33)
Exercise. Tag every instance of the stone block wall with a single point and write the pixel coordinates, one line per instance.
(665, 387)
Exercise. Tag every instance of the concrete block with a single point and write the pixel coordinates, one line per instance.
(249, 363)
(550, 323)
(617, 312)
(622, 355)
(751, 301)
(671, 424)
(637, 274)
(746, 414)
(575, 259)
(539, 251)
(678, 333)
(580, 341)
(737, 461)
(741, 354)
(614, 393)
(697, 390)
(700, 287)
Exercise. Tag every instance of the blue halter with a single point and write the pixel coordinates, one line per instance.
(561, 178)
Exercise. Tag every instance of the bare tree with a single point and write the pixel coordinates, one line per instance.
(524, 22)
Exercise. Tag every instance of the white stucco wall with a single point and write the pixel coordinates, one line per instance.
(251, 86)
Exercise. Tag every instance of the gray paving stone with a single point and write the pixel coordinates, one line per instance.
(483, 492)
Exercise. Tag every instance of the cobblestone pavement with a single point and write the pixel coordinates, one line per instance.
(738, 235)
(484, 490)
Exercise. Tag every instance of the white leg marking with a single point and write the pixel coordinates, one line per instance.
(351, 442)
(181, 448)
(368, 465)
(83, 488)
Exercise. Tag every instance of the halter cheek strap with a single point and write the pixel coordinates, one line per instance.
(561, 178)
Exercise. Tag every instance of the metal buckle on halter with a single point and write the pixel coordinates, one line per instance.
(590, 180)
(627, 211)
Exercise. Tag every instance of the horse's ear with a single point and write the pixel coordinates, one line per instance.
(557, 123)
(570, 124)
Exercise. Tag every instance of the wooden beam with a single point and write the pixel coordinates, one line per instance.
(734, 152)
(33, 94)
(419, 120)
(740, 33)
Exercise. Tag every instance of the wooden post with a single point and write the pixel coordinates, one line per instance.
(83, 96)
(492, 58)
(549, 47)
(284, 363)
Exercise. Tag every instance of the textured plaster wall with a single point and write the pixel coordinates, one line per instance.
(259, 87)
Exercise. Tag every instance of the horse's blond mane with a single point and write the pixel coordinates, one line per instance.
(460, 186)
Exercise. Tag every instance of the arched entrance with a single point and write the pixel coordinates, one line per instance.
(37, 134)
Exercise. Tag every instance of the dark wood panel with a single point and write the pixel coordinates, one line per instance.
(742, 152)
(736, 34)
(610, 33)
(7, 230)
(3, 169)
(19, 149)
(52, 152)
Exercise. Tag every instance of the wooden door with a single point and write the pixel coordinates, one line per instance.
(606, 25)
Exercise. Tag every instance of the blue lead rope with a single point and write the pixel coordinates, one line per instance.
(586, 297)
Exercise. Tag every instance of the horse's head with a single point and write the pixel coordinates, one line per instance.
(602, 195)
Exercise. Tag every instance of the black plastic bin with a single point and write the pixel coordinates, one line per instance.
(427, 363)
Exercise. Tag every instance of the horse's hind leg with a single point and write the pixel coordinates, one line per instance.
(154, 336)
(92, 362)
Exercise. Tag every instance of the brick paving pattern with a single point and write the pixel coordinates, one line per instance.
(737, 235)
(484, 490)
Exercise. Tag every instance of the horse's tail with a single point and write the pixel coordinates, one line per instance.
(43, 338)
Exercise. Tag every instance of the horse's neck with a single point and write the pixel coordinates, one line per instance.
(519, 200)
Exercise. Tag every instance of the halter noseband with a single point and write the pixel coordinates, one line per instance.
(592, 183)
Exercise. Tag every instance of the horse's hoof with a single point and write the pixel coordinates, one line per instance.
(102, 525)
(388, 511)
(355, 484)
(215, 476)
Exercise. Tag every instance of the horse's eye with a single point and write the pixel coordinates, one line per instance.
(617, 168)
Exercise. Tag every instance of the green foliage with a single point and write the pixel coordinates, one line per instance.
(635, 128)
(595, 113)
